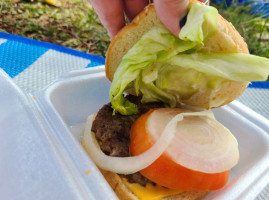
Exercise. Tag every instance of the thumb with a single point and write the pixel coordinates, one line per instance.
(171, 12)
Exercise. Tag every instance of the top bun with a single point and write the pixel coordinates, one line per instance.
(225, 40)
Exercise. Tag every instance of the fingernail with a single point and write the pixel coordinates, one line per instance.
(182, 22)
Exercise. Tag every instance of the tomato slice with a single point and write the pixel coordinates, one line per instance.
(166, 172)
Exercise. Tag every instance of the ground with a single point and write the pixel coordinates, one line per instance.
(73, 25)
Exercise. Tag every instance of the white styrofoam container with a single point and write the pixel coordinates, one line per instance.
(41, 156)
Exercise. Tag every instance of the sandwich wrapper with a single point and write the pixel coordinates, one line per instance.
(42, 158)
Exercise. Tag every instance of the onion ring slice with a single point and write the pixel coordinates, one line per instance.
(132, 164)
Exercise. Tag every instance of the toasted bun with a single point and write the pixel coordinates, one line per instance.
(226, 40)
(124, 193)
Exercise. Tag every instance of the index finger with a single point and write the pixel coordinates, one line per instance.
(111, 14)
(133, 7)
(170, 12)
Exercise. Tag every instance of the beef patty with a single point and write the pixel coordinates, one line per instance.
(113, 132)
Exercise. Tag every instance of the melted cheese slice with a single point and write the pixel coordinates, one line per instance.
(150, 192)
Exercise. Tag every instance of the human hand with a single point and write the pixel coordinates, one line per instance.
(111, 14)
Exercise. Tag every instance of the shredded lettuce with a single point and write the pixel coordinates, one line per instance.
(166, 68)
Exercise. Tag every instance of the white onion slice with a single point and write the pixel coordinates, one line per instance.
(200, 144)
(129, 165)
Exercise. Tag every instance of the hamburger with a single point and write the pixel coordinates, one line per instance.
(169, 80)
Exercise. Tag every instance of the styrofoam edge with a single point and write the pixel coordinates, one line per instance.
(82, 72)
(254, 189)
(69, 167)
(252, 115)
(73, 75)
(78, 163)
(76, 159)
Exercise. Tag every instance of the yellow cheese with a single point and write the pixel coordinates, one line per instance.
(150, 192)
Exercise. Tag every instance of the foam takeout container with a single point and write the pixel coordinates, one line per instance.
(41, 156)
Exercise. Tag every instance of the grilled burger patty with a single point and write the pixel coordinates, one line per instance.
(113, 132)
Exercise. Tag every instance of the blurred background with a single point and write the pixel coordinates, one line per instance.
(74, 24)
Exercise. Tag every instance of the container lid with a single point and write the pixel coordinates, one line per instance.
(31, 165)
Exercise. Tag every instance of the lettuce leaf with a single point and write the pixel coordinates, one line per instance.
(166, 68)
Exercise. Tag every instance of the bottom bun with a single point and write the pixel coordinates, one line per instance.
(124, 193)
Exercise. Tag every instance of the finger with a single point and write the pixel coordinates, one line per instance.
(111, 14)
(171, 12)
(133, 7)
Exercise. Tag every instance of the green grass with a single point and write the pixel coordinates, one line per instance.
(76, 25)
(254, 29)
